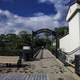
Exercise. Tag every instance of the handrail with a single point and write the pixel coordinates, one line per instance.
(36, 53)
(73, 51)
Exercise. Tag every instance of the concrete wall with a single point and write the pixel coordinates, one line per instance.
(74, 31)
(65, 43)
(72, 40)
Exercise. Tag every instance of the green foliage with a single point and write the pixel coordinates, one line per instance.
(10, 44)
(62, 31)
(25, 37)
(8, 52)
(42, 41)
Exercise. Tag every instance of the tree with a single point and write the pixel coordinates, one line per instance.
(25, 37)
(12, 39)
(61, 31)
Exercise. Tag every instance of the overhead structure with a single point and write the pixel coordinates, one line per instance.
(46, 30)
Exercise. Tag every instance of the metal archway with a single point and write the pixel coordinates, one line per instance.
(46, 30)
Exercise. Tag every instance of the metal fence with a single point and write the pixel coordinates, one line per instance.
(61, 56)
(77, 64)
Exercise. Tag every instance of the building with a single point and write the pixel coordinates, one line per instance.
(70, 44)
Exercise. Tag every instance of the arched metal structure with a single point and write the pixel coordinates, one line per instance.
(46, 30)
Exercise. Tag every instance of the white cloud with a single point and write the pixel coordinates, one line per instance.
(15, 23)
(39, 14)
(59, 5)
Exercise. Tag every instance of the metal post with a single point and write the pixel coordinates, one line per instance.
(32, 44)
(57, 44)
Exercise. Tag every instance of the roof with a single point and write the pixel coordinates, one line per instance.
(78, 1)
(72, 11)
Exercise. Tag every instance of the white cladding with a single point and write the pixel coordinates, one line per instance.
(72, 40)
(72, 9)
(26, 48)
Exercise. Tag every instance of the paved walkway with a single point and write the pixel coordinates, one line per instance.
(35, 76)
(53, 67)
(45, 67)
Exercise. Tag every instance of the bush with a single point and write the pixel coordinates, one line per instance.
(9, 52)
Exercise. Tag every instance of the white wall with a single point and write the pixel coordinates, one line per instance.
(65, 43)
(74, 31)
(72, 40)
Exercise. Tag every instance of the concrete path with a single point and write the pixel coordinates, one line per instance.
(53, 67)
(35, 76)
(45, 67)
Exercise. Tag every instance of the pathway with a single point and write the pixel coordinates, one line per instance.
(53, 67)
(45, 67)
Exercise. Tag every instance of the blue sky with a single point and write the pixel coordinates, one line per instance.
(17, 15)
(28, 7)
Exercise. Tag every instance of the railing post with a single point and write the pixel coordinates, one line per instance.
(57, 44)
(32, 44)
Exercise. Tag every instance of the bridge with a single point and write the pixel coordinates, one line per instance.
(42, 63)
(45, 67)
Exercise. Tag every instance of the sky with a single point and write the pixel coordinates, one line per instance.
(28, 15)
